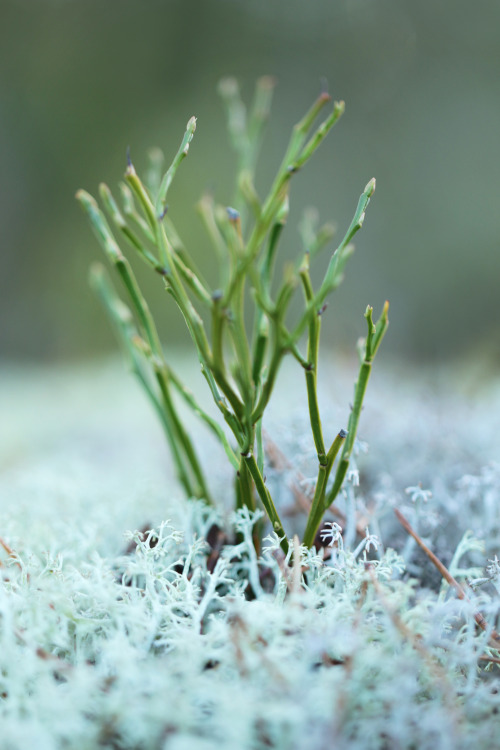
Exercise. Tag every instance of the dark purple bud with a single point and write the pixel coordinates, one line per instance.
(233, 214)
(322, 309)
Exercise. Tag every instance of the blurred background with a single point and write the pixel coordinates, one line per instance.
(81, 80)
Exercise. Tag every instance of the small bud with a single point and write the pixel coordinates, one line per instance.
(228, 87)
(339, 107)
(233, 214)
(141, 345)
(282, 214)
(342, 434)
(370, 188)
(266, 82)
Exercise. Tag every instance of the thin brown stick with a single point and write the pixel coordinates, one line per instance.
(292, 574)
(445, 573)
(432, 662)
(9, 551)
(485, 657)
(6, 547)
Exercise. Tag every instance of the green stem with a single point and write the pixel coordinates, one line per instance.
(230, 418)
(240, 343)
(180, 251)
(246, 496)
(311, 370)
(317, 507)
(160, 206)
(279, 188)
(142, 196)
(211, 423)
(150, 333)
(268, 385)
(119, 221)
(266, 500)
(122, 319)
(131, 213)
(261, 340)
(260, 446)
(333, 273)
(200, 488)
(373, 340)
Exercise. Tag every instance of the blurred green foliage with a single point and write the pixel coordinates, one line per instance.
(83, 79)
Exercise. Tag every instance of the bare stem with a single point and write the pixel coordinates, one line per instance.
(240, 352)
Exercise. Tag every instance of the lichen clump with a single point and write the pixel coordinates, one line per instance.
(181, 643)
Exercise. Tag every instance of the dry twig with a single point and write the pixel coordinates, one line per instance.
(446, 575)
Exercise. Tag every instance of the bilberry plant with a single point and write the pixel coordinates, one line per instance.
(240, 330)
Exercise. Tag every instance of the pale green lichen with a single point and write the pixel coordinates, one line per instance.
(159, 649)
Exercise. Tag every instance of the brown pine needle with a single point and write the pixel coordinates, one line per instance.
(6, 547)
(444, 572)
(415, 640)
(493, 659)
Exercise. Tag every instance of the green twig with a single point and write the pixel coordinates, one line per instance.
(266, 500)
(241, 370)
(373, 340)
